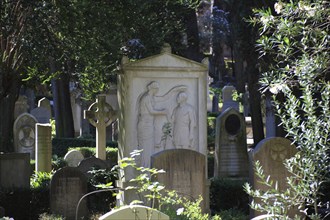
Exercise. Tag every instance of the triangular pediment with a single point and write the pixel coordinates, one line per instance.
(164, 60)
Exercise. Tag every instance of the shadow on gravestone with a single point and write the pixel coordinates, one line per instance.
(231, 156)
(132, 212)
(67, 186)
(185, 172)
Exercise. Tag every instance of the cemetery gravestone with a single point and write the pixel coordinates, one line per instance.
(231, 156)
(24, 134)
(21, 106)
(271, 153)
(184, 172)
(43, 115)
(162, 102)
(227, 97)
(91, 163)
(134, 212)
(15, 170)
(67, 186)
(100, 114)
(43, 147)
(73, 158)
(45, 103)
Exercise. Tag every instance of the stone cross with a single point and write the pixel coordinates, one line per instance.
(100, 114)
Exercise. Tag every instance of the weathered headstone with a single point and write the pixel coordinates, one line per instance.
(185, 172)
(231, 156)
(43, 115)
(162, 102)
(43, 147)
(21, 106)
(227, 98)
(73, 158)
(67, 186)
(100, 114)
(24, 134)
(132, 212)
(91, 163)
(15, 170)
(271, 153)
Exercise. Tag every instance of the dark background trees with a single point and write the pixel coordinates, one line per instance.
(54, 42)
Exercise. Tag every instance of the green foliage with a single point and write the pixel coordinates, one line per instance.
(61, 145)
(233, 214)
(46, 216)
(40, 180)
(294, 43)
(111, 153)
(58, 162)
(153, 194)
(227, 194)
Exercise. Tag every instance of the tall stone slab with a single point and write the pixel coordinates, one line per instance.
(231, 156)
(162, 102)
(185, 173)
(45, 103)
(24, 134)
(43, 115)
(227, 98)
(15, 170)
(67, 186)
(43, 147)
(271, 153)
(134, 212)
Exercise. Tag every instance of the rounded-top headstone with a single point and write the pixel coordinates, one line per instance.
(73, 158)
(91, 163)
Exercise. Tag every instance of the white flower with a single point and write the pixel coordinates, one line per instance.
(276, 88)
(278, 7)
(179, 211)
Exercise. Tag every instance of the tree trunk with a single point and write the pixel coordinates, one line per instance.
(62, 105)
(255, 101)
(7, 107)
(193, 51)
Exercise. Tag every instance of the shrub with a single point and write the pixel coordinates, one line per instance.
(61, 145)
(227, 194)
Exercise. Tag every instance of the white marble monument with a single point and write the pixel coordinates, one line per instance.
(162, 102)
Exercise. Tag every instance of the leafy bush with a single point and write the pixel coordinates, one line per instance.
(294, 45)
(228, 194)
(61, 145)
(111, 153)
(233, 214)
(16, 203)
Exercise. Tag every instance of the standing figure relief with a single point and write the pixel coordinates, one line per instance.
(173, 108)
(148, 110)
(184, 123)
